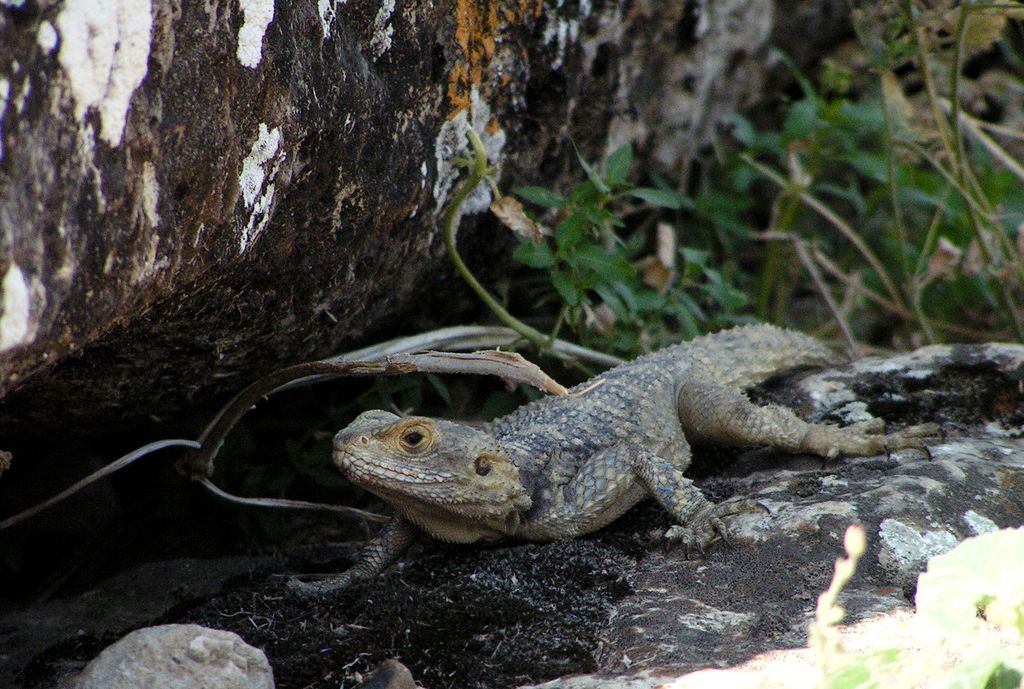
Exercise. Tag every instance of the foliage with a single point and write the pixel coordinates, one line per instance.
(922, 219)
(605, 288)
(971, 598)
(896, 216)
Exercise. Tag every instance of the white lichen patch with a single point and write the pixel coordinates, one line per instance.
(257, 15)
(562, 32)
(257, 182)
(854, 412)
(380, 40)
(5, 93)
(46, 38)
(253, 172)
(328, 10)
(979, 523)
(150, 193)
(104, 50)
(15, 323)
(23, 93)
(905, 551)
(452, 141)
(713, 620)
(998, 430)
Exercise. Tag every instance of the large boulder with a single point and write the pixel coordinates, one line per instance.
(192, 194)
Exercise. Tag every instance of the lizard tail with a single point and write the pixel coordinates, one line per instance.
(746, 355)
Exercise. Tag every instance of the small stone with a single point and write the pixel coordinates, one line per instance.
(178, 656)
(390, 674)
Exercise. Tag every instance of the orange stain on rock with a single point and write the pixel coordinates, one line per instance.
(478, 25)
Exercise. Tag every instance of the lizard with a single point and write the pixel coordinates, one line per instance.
(564, 466)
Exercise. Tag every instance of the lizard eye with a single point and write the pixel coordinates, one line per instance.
(414, 439)
(482, 466)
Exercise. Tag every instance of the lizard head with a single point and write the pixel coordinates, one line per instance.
(416, 464)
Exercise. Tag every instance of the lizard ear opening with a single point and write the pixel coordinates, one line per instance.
(482, 465)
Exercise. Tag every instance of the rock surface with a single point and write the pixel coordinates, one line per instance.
(192, 193)
(134, 598)
(178, 656)
(616, 605)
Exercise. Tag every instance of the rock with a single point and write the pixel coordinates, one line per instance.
(194, 194)
(205, 192)
(132, 598)
(178, 656)
(759, 596)
(390, 674)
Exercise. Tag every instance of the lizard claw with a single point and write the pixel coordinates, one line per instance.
(709, 528)
(689, 539)
(913, 438)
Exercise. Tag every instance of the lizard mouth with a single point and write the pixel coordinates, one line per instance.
(376, 472)
(397, 482)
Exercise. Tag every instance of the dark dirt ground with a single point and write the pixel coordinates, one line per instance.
(452, 614)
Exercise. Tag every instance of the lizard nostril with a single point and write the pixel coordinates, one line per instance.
(364, 440)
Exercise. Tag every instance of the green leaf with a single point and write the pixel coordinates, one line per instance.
(584, 194)
(539, 196)
(802, 120)
(742, 129)
(688, 314)
(995, 668)
(982, 574)
(535, 254)
(571, 231)
(601, 216)
(628, 295)
(609, 297)
(566, 288)
(594, 178)
(865, 672)
(609, 267)
(661, 197)
(617, 166)
(696, 257)
(728, 296)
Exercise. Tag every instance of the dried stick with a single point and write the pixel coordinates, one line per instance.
(805, 258)
(507, 365)
(293, 504)
(116, 465)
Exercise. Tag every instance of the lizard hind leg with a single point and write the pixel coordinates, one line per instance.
(712, 412)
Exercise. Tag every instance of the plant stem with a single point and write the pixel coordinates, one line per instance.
(835, 220)
(479, 172)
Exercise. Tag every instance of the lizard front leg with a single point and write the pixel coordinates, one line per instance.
(389, 545)
(711, 412)
(615, 479)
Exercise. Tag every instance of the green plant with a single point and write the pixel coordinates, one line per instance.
(626, 287)
(902, 199)
(972, 601)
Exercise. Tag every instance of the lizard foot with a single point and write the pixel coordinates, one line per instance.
(867, 438)
(708, 527)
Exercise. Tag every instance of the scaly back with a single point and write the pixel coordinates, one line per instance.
(745, 356)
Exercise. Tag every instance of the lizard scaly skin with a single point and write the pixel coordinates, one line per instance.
(564, 466)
